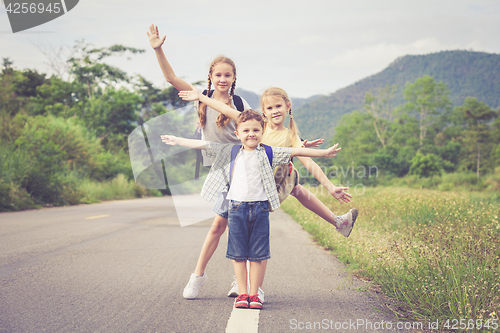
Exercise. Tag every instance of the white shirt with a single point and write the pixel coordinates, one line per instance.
(246, 182)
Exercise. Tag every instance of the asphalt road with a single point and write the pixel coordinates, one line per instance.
(121, 266)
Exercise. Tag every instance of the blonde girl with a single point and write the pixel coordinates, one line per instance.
(214, 127)
(275, 107)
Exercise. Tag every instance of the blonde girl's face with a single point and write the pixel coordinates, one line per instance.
(222, 76)
(275, 110)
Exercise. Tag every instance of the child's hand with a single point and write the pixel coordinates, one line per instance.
(332, 151)
(314, 143)
(339, 194)
(154, 37)
(192, 95)
(169, 140)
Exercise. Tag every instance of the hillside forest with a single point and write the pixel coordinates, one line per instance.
(63, 138)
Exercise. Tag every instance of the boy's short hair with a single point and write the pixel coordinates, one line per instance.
(249, 114)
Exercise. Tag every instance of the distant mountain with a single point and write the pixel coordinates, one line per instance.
(466, 73)
(254, 99)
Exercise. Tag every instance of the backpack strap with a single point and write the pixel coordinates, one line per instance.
(234, 152)
(238, 102)
(269, 153)
(210, 93)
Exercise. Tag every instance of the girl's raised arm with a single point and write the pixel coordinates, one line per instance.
(193, 95)
(168, 72)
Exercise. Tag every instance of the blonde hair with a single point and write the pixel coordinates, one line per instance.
(278, 92)
(222, 120)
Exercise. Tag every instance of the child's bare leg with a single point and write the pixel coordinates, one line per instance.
(210, 245)
(311, 202)
(264, 266)
(240, 271)
(257, 271)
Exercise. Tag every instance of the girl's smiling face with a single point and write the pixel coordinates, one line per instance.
(275, 110)
(222, 76)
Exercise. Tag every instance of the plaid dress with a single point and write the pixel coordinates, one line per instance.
(217, 180)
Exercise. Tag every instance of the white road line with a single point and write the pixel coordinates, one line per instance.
(243, 321)
(96, 217)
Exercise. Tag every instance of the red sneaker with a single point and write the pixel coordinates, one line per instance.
(241, 301)
(255, 302)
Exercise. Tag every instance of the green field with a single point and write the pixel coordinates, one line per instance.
(436, 253)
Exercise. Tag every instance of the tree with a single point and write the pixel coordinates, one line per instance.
(87, 66)
(427, 98)
(380, 108)
(478, 140)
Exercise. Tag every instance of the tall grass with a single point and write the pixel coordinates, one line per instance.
(436, 252)
(118, 188)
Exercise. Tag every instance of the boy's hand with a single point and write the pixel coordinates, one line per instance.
(169, 140)
(192, 95)
(332, 151)
(154, 37)
(339, 194)
(314, 143)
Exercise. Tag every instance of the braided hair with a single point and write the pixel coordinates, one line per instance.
(222, 120)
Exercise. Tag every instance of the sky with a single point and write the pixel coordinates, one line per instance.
(305, 47)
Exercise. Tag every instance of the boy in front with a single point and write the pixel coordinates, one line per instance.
(252, 194)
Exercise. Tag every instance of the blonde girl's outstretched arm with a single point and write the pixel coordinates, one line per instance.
(168, 72)
(337, 192)
(194, 95)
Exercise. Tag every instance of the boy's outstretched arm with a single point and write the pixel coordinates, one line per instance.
(168, 72)
(194, 95)
(189, 143)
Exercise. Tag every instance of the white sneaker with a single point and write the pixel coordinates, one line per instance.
(261, 295)
(345, 223)
(235, 291)
(193, 286)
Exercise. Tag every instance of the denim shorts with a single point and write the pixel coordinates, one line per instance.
(222, 205)
(248, 224)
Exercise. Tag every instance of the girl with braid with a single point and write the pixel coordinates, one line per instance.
(215, 127)
(275, 107)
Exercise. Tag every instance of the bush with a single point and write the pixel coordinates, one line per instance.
(57, 151)
(13, 198)
(425, 165)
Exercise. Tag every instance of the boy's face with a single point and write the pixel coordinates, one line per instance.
(250, 133)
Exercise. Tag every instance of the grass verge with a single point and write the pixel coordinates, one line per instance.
(436, 252)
